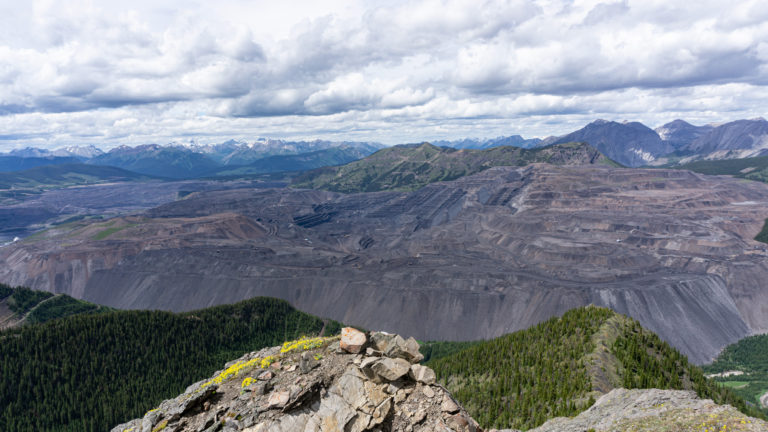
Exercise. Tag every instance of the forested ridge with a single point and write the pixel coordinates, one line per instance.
(41, 306)
(91, 372)
(522, 379)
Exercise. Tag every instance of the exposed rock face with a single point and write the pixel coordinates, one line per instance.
(680, 133)
(654, 410)
(343, 392)
(737, 139)
(474, 258)
(632, 144)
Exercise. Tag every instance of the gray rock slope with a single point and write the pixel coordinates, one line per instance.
(475, 258)
(737, 139)
(654, 411)
(679, 133)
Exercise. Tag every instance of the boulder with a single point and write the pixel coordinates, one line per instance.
(390, 369)
(422, 374)
(397, 347)
(449, 405)
(352, 340)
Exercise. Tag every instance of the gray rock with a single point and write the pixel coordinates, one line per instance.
(381, 340)
(307, 362)
(422, 374)
(278, 399)
(390, 369)
(449, 405)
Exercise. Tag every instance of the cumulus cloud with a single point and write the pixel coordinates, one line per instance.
(110, 72)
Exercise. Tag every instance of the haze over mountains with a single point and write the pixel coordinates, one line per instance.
(629, 143)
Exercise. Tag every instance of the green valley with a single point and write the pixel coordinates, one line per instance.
(743, 367)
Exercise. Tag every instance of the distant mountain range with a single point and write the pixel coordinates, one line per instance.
(475, 143)
(678, 142)
(192, 160)
(631, 144)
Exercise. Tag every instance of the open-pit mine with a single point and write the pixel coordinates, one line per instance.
(473, 258)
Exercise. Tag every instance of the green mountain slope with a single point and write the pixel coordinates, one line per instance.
(558, 367)
(748, 358)
(412, 167)
(53, 176)
(91, 372)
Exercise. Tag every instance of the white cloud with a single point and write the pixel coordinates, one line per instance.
(109, 72)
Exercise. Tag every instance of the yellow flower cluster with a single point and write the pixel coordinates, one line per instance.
(715, 425)
(267, 361)
(231, 371)
(246, 382)
(304, 343)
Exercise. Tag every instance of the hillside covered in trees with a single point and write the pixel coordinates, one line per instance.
(743, 367)
(21, 305)
(91, 372)
(560, 366)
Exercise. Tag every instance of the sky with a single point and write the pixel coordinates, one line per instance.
(108, 73)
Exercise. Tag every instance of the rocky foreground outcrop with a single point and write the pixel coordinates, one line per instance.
(358, 382)
(655, 410)
(352, 383)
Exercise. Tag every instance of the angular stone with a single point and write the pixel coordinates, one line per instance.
(428, 392)
(352, 340)
(382, 411)
(260, 389)
(307, 362)
(278, 399)
(390, 369)
(449, 405)
(381, 340)
(266, 376)
(405, 349)
(422, 374)
(459, 422)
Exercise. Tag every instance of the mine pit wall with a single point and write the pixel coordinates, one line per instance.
(751, 302)
(693, 313)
